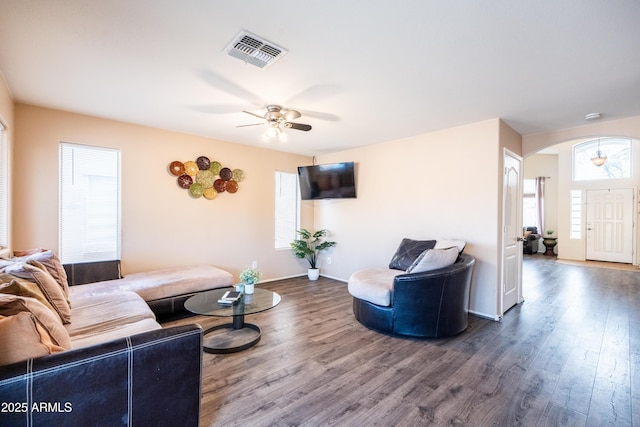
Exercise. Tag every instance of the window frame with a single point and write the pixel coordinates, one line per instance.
(79, 247)
(281, 242)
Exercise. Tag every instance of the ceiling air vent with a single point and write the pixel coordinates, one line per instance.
(254, 50)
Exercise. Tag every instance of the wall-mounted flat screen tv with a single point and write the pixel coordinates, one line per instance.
(330, 181)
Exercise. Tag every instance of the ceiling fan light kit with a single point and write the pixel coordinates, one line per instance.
(277, 118)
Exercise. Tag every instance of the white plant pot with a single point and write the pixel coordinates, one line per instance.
(313, 273)
(249, 289)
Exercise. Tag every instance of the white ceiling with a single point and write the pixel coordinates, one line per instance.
(361, 72)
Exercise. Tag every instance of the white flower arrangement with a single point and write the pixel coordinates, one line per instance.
(250, 276)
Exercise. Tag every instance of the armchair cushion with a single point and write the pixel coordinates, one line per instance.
(374, 285)
(432, 259)
(408, 251)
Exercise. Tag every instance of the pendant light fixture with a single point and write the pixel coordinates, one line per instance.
(600, 158)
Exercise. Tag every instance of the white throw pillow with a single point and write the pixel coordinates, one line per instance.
(447, 243)
(433, 259)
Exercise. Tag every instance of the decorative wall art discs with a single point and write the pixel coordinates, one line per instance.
(205, 178)
(176, 168)
(191, 168)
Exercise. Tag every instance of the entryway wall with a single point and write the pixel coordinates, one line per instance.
(563, 140)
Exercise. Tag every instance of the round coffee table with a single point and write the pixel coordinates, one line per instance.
(238, 335)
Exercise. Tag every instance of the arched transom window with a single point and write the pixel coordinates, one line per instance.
(617, 164)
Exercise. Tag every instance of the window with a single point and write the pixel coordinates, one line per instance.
(575, 224)
(287, 209)
(618, 164)
(529, 205)
(89, 203)
(4, 189)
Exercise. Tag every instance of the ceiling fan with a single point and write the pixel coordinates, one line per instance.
(277, 117)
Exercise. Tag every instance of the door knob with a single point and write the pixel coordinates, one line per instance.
(521, 239)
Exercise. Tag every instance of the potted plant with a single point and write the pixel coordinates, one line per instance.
(308, 246)
(249, 277)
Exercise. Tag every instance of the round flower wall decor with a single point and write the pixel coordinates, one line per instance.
(205, 178)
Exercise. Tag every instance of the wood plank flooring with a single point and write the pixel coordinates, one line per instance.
(569, 355)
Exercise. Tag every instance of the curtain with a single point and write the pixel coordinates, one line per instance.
(540, 204)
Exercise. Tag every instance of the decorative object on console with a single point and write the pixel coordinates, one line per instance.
(250, 276)
(308, 247)
(203, 177)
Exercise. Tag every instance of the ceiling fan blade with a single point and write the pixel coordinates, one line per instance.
(253, 124)
(255, 115)
(297, 126)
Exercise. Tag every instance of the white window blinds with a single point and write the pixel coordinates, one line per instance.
(89, 203)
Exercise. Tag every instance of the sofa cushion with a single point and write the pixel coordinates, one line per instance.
(100, 318)
(433, 259)
(22, 337)
(11, 305)
(158, 284)
(374, 285)
(37, 273)
(122, 331)
(408, 251)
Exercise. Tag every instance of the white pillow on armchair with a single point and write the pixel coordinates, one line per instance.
(433, 259)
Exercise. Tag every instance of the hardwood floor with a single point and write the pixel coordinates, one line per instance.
(569, 355)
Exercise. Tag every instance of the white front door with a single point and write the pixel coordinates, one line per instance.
(511, 232)
(610, 225)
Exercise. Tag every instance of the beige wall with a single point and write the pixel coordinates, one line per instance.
(629, 128)
(161, 224)
(440, 184)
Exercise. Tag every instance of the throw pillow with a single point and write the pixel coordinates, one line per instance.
(433, 259)
(12, 285)
(28, 252)
(51, 262)
(11, 305)
(447, 243)
(22, 337)
(38, 274)
(408, 251)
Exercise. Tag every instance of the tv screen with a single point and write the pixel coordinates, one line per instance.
(330, 181)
